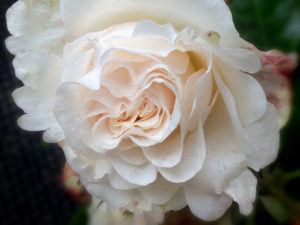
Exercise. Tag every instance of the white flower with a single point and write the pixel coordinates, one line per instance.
(153, 102)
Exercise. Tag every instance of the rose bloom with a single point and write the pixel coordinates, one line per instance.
(153, 102)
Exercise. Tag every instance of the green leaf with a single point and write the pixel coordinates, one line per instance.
(80, 218)
(282, 178)
(275, 209)
(269, 23)
(44, 145)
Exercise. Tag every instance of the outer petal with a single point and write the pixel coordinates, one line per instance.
(139, 203)
(243, 190)
(160, 191)
(242, 59)
(177, 202)
(50, 40)
(66, 111)
(264, 134)
(21, 17)
(91, 170)
(133, 155)
(117, 182)
(148, 28)
(114, 198)
(140, 175)
(208, 207)
(260, 139)
(15, 18)
(205, 15)
(37, 97)
(45, 34)
(225, 158)
(250, 99)
(191, 161)
(168, 153)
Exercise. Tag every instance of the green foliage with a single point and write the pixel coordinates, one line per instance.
(80, 218)
(269, 23)
(275, 208)
(44, 145)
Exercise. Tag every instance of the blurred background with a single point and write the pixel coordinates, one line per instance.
(30, 170)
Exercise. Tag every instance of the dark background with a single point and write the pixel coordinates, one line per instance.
(30, 193)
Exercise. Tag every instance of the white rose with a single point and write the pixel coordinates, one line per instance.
(152, 101)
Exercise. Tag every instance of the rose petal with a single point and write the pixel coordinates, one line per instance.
(136, 174)
(163, 94)
(66, 110)
(202, 14)
(53, 133)
(243, 190)
(244, 88)
(21, 16)
(168, 153)
(202, 88)
(46, 121)
(177, 61)
(91, 170)
(36, 121)
(114, 198)
(139, 203)
(117, 182)
(208, 207)
(242, 59)
(160, 191)
(91, 80)
(158, 46)
(133, 155)
(37, 101)
(149, 29)
(80, 45)
(262, 133)
(28, 66)
(16, 24)
(177, 202)
(44, 34)
(49, 40)
(225, 157)
(191, 160)
(77, 67)
(119, 82)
